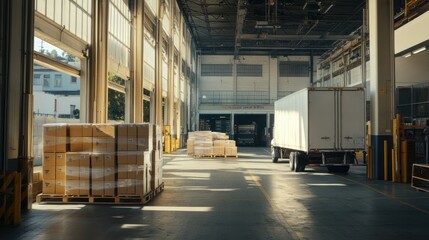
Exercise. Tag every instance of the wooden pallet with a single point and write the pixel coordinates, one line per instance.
(158, 190)
(10, 198)
(126, 199)
(203, 156)
(236, 156)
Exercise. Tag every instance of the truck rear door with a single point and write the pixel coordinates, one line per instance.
(352, 119)
(321, 120)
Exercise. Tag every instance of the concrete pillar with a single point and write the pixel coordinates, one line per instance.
(136, 113)
(98, 81)
(158, 68)
(16, 93)
(381, 78)
(273, 77)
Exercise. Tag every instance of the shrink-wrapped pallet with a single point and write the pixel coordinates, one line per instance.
(190, 146)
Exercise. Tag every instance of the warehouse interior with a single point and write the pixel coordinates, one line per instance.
(176, 67)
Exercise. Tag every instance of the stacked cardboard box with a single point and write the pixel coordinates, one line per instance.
(206, 143)
(230, 148)
(102, 159)
(54, 148)
(219, 147)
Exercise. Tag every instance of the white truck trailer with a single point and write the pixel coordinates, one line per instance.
(323, 126)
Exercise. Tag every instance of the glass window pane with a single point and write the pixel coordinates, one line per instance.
(56, 100)
(116, 106)
(58, 54)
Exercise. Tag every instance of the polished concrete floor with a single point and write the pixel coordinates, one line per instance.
(244, 198)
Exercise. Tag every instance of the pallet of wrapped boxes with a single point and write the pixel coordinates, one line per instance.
(210, 144)
(101, 163)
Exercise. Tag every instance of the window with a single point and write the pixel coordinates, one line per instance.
(46, 80)
(216, 70)
(249, 70)
(73, 79)
(294, 69)
(58, 78)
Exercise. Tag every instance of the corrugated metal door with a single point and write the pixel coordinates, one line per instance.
(321, 119)
(353, 119)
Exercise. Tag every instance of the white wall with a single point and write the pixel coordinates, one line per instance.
(412, 70)
(270, 82)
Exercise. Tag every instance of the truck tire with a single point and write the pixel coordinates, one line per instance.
(274, 155)
(292, 161)
(339, 169)
(301, 161)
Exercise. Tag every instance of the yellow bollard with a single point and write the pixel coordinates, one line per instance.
(385, 160)
(393, 166)
(369, 164)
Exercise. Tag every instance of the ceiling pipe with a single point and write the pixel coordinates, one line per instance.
(241, 15)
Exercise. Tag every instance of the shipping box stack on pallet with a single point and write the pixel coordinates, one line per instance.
(210, 144)
(102, 161)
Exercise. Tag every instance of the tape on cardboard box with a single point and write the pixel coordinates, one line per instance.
(49, 172)
(49, 159)
(48, 186)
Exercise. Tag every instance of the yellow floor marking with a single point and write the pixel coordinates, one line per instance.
(386, 195)
(288, 227)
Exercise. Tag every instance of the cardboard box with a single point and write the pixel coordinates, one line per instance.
(60, 159)
(110, 145)
(99, 144)
(61, 138)
(132, 173)
(98, 130)
(86, 130)
(49, 130)
(83, 187)
(132, 137)
(231, 151)
(143, 137)
(140, 176)
(49, 159)
(109, 188)
(72, 159)
(122, 187)
(60, 187)
(109, 130)
(84, 169)
(49, 172)
(72, 187)
(75, 130)
(97, 187)
(109, 174)
(86, 144)
(60, 173)
(48, 186)
(97, 167)
(49, 143)
(76, 144)
(121, 136)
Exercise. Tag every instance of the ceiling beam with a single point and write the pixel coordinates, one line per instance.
(241, 15)
(258, 37)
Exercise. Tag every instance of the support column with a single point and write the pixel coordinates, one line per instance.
(17, 93)
(273, 78)
(158, 68)
(136, 115)
(381, 78)
(98, 80)
(171, 113)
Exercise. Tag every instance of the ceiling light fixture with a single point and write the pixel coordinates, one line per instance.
(419, 50)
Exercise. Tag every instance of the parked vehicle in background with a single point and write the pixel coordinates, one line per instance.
(246, 134)
(323, 126)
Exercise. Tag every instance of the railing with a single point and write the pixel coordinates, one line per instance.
(242, 97)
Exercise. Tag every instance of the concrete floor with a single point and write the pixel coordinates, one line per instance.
(244, 198)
